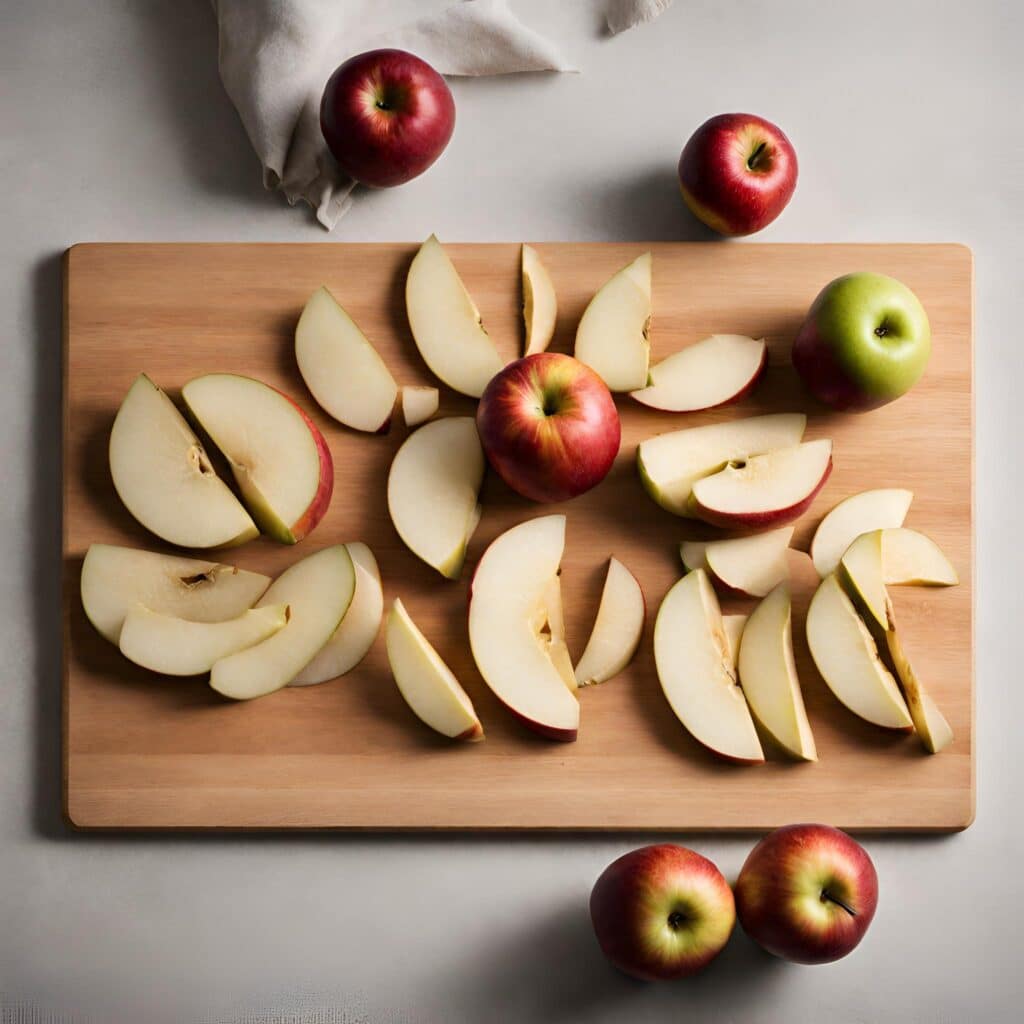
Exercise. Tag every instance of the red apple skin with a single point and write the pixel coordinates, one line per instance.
(549, 427)
(744, 392)
(786, 892)
(737, 173)
(662, 912)
(321, 501)
(386, 115)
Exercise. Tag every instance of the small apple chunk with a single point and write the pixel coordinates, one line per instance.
(733, 625)
(433, 486)
(716, 371)
(694, 664)
(742, 566)
(318, 591)
(670, 464)
(426, 682)
(768, 676)
(540, 304)
(612, 334)
(178, 647)
(911, 557)
(356, 632)
(764, 490)
(419, 404)
(279, 458)
(446, 324)
(164, 477)
(514, 627)
(860, 513)
(342, 370)
(617, 628)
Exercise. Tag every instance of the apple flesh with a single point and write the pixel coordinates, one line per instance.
(617, 628)
(662, 912)
(716, 371)
(733, 626)
(549, 427)
(164, 477)
(540, 303)
(911, 557)
(860, 513)
(419, 404)
(742, 566)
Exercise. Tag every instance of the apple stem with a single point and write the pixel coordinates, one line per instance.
(755, 156)
(826, 895)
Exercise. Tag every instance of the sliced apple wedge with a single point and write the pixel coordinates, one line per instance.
(617, 628)
(670, 464)
(694, 664)
(509, 615)
(860, 513)
(318, 590)
(163, 475)
(355, 634)
(733, 626)
(768, 676)
(279, 458)
(428, 685)
(540, 304)
(419, 404)
(911, 557)
(742, 566)
(847, 658)
(716, 371)
(342, 370)
(433, 485)
(178, 647)
(764, 490)
(446, 324)
(612, 334)
(115, 579)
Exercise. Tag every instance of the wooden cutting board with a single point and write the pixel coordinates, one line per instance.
(143, 751)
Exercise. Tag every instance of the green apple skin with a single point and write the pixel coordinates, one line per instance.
(865, 342)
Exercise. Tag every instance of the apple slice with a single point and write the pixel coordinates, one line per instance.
(768, 676)
(164, 477)
(670, 464)
(355, 634)
(318, 590)
(733, 626)
(716, 371)
(612, 335)
(433, 485)
(911, 557)
(279, 458)
(742, 566)
(115, 579)
(860, 513)
(178, 647)
(764, 490)
(509, 615)
(342, 370)
(847, 658)
(446, 324)
(540, 304)
(419, 404)
(694, 664)
(426, 682)
(617, 628)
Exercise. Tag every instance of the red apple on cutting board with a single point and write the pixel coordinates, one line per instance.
(386, 115)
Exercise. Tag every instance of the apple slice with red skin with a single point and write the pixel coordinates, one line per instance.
(617, 628)
(540, 303)
(742, 566)
(860, 513)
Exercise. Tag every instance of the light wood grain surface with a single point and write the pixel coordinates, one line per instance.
(143, 751)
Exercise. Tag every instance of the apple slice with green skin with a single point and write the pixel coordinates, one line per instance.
(617, 628)
(714, 372)
(612, 334)
(909, 557)
(446, 324)
(764, 490)
(511, 604)
(768, 676)
(694, 664)
(115, 579)
(540, 304)
(742, 566)
(342, 370)
(318, 591)
(279, 458)
(428, 685)
(419, 404)
(860, 513)
(355, 634)
(733, 625)
(670, 464)
(164, 477)
(433, 486)
(178, 647)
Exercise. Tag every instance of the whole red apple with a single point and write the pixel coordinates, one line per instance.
(737, 173)
(549, 426)
(807, 893)
(662, 912)
(386, 116)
